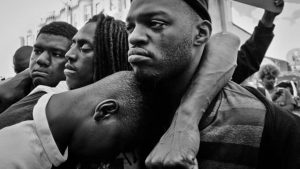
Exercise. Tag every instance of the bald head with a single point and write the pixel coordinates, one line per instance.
(106, 117)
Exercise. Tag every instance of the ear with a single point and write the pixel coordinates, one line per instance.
(105, 109)
(203, 32)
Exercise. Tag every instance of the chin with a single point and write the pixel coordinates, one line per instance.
(71, 84)
(40, 81)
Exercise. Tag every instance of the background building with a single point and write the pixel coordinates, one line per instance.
(77, 13)
(225, 17)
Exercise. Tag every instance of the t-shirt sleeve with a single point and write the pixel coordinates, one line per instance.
(44, 132)
(20, 111)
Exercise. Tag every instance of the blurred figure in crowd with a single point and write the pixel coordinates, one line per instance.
(281, 96)
(254, 49)
(21, 58)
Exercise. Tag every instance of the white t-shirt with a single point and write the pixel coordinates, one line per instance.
(30, 144)
(61, 87)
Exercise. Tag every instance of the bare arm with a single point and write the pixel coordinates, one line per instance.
(180, 144)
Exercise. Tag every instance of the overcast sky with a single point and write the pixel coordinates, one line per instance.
(18, 16)
(287, 29)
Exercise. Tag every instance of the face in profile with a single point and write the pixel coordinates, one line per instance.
(160, 38)
(48, 59)
(79, 66)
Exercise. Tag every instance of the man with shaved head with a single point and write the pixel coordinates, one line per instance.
(106, 123)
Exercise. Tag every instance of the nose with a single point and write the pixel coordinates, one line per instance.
(43, 59)
(71, 54)
(138, 36)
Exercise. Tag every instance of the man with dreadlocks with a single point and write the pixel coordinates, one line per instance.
(46, 63)
(99, 49)
(91, 57)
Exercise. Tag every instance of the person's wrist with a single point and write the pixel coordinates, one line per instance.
(268, 19)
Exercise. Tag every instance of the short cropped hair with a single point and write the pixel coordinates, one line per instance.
(268, 70)
(23, 53)
(59, 28)
(134, 104)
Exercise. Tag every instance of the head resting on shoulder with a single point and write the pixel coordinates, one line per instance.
(116, 108)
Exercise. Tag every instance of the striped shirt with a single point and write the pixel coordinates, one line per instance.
(231, 133)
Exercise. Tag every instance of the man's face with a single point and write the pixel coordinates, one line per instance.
(79, 66)
(48, 59)
(269, 82)
(160, 38)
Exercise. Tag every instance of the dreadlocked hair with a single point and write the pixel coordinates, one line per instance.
(111, 46)
(59, 28)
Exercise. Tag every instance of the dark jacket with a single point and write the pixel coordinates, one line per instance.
(252, 53)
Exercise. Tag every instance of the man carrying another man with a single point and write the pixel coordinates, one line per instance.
(160, 28)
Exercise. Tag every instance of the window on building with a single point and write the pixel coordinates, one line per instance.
(100, 7)
(113, 5)
(74, 20)
(87, 12)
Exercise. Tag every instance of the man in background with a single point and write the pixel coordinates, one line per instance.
(21, 58)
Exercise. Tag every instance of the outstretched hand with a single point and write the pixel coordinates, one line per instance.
(176, 149)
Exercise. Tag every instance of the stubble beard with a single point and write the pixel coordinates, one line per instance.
(176, 59)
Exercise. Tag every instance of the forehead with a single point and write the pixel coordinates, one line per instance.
(86, 33)
(149, 7)
(48, 41)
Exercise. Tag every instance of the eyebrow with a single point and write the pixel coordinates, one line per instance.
(83, 41)
(148, 15)
(50, 48)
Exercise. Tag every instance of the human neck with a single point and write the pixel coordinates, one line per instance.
(174, 87)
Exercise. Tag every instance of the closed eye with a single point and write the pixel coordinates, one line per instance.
(86, 48)
(37, 51)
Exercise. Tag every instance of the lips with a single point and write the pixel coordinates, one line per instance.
(69, 70)
(138, 55)
(38, 73)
